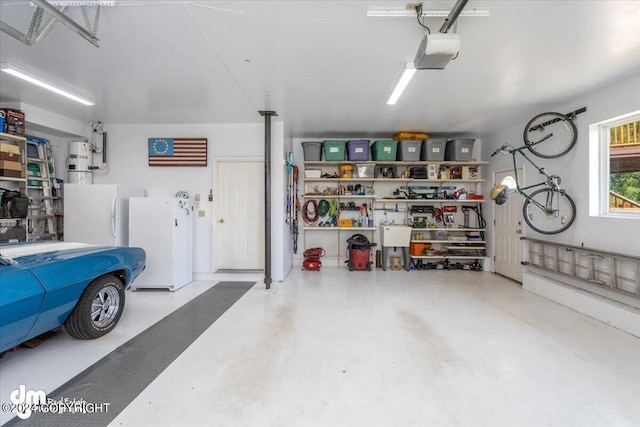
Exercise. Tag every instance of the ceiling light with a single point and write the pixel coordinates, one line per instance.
(407, 75)
(39, 81)
(80, 3)
(437, 13)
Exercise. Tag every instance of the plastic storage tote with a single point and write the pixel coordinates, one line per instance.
(459, 150)
(384, 150)
(409, 150)
(333, 150)
(365, 170)
(312, 151)
(433, 149)
(358, 150)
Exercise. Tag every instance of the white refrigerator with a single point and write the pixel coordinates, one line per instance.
(98, 213)
(163, 227)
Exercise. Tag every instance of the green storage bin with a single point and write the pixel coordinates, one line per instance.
(333, 150)
(384, 150)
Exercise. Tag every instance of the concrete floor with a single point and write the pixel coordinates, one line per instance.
(339, 348)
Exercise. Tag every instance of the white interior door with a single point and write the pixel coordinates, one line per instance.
(507, 232)
(240, 225)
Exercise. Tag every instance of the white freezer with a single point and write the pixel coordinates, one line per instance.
(98, 213)
(163, 227)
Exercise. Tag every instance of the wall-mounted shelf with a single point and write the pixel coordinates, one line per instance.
(446, 174)
(335, 196)
(427, 201)
(396, 163)
(341, 228)
(10, 137)
(15, 183)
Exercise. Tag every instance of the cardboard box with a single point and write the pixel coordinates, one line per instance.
(470, 172)
(10, 173)
(13, 121)
(10, 165)
(9, 152)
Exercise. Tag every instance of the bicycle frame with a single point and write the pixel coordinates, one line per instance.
(549, 182)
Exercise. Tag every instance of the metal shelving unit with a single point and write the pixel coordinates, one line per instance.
(474, 247)
(358, 199)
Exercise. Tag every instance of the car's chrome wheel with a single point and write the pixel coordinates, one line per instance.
(98, 310)
(105, 306)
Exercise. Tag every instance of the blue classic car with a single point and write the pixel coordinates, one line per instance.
(44, 285)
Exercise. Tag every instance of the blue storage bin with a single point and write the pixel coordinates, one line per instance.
(358, 150)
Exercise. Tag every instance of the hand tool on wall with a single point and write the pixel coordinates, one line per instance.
(295, 206)
(289, 192)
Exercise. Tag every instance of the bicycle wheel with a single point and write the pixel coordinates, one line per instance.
(549, 211)
(550, 135)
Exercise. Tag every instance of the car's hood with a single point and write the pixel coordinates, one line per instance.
(29, 252)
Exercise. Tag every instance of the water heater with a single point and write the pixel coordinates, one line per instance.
(80, 163)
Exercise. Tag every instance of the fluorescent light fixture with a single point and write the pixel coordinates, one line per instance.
(407, 75)
(43, 83)
(80, 3)
(437, 13)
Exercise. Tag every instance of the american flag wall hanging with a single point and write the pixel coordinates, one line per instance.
(177, 151)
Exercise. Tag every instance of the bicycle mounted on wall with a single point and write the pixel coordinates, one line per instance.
(547, 210)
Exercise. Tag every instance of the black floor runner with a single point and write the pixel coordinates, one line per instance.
(120, 376)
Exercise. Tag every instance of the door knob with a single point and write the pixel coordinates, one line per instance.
(221, 221)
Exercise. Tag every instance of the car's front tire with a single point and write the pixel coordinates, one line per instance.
(98, 309)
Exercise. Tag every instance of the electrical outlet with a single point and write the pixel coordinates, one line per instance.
(201, 214)
(197, 197)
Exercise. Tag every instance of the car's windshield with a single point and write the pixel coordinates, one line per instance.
(5, 261)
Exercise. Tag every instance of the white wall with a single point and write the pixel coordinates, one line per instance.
(612, 234)
(127, 159)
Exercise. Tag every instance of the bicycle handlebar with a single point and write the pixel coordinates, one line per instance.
(500, 150)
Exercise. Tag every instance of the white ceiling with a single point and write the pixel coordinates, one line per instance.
(323, 66)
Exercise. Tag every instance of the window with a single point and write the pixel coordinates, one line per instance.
(619, 165)
(624, 166)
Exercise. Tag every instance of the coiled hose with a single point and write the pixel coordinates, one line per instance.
(310, 211)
